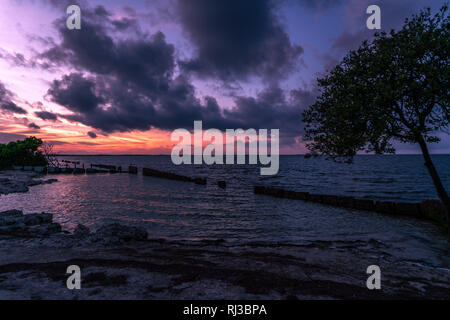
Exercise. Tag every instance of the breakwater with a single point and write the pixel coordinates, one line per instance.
(115, 169)
(427, 209)
(133, 170)
(171, 176)
(432, 210)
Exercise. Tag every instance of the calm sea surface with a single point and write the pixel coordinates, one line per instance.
(178, 210)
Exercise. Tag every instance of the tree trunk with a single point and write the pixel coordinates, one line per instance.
(434, 175)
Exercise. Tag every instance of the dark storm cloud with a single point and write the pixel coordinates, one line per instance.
(273, 109)
(119, 110)
(125, 24)
(237, 39)
(126, 84)
(45, 115)
(110, 108)
(131, 84)
(146, 61)
(6, 104)
(91, 134)
(179, 108)
(75, 93)
(33, 126)
(11, 107)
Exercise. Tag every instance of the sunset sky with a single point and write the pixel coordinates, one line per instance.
(139, 69)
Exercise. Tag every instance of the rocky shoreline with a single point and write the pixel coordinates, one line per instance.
(122, 262)
(20, 181)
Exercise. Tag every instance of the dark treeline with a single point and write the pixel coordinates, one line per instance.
(22, 153)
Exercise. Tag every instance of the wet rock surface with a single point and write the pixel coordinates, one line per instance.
(120, 262)
(20, 181)
(116, 233)
(81, 231)
(15, 223)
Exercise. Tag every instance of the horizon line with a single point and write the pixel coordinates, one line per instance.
(296, 154)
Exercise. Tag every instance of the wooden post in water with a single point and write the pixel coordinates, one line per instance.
(222, 184)
(132, 169)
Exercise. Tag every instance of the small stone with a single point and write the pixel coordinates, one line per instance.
(46, 217)
(200, 181)
(37, 218)
(33, 183)
(50, 181)
(44, 229)
(119, 232)
(81, 231)
(11, 213)
(9, 221)
(32, 219)
(17, 229)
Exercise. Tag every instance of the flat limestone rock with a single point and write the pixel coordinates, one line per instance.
(20, 181)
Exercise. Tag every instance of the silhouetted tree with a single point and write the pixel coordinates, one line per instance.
(50, 154)
(393, 88)
(22, 153)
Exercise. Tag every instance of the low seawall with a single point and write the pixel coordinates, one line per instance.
(432, 210)
(171, 176)
(132, 170)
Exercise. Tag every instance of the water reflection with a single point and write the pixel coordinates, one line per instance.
(177, 210)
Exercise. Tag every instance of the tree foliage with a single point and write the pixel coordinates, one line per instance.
(22, 153)
(393, 88)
